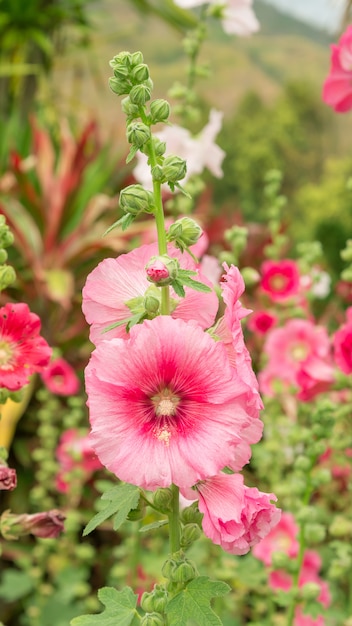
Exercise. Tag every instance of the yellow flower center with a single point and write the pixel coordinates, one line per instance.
(6, 354)
(165, 406)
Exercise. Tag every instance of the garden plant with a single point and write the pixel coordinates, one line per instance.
(175, 430)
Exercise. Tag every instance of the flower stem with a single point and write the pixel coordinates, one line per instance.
(174, 521)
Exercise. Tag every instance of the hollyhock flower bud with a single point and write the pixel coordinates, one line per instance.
(184, 230)
(184, 572)
(140, 94)
(46, 525)
(168, 568)
(159, 110)
(155, 601)
(124, 58)
(120, 87)
(8, 478)
(159, 146)
(129, 109)
(121, 72)
(162, 499)
(7, 276)
(135, 199)
(136, 58)
(152, 619)
(162, 270)
(190, 533)
(151, 305)
(140, 73)
(138, 134)
(174, 168)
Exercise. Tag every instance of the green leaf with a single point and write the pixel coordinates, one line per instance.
(132, 153)
(124, 222)
(122, 499)
(194, 284)
(120, 609)
(192, 605)
(177, 287)
(153, 525)
(15, 585)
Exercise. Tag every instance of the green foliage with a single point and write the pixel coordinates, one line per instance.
(15, 585)
(120, 608)
(192, 605)
(121, 500)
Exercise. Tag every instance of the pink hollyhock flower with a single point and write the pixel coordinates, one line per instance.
(282, 538)
(115, 283)
(75, 451)
(337, 88)
(342, 344)
(22, 350)
(307, 620)
(209, 266)
(280, 279)
(261, 322)
(280, 579)
(165, 405)
(60, 378)
(229, 331)
(8, 478)
(46, 525)
(200, 151)
(298, 354)
(235, 516)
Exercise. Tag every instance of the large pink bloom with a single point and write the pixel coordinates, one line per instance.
(302, 619)
(22, 350)
(116, 282)
(337, 89)
(229, 331)
(282, 538)
(342, 343)
(235, 516)
(165, 405)
(280, 279)
(298, 354)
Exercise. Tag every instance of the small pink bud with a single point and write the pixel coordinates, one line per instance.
(157, 270)
(8, 478)
(46, 525)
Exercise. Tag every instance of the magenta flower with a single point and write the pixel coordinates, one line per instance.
(46, 525)
(280, 279)
(22, 350)
(8, 478)
(302, 619)
(165, 405)
(75, 451)
(60, 378)
(113, 287)
(261, 322)
(342, 344)
(235, 516)
(337, 88)
(282, 538)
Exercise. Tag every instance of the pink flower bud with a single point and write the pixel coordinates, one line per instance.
(157, 270)
(8, 478)
(46, 525)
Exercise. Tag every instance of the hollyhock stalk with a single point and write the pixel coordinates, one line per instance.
(174, 514)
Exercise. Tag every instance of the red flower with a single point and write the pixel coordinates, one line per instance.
(280, 279)
(342, 343)
(8, 478)
(22, 350)
(337, 89)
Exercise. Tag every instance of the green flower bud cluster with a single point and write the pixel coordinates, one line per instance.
(155, 601)
(179, 570)
(183, 233)
(131, 76)
(152, 619)
(7, 273)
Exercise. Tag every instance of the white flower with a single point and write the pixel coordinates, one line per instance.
(237, 15)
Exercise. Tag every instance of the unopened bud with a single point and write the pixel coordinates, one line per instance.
(151, 305)
(129, 109)
(121, 72)
(135, 199)
(310, 591)
(120, 87)
(8, 478)
(185, 230)
(136, 58)
(162, 270)
(152, 619)
(155, 601)
(7, 276)
(341, 527)
(174, 168)
(191, 514)
(140, 94)
(314, 533)
(280, 560)
(190, 533)
(138, 134)
(3, 255)
(168, 568)
(140, 73)
(162, 499)
(159, 110)
(250, 276)
(184, 572)
(158, 174)
(159, 146)
(47, 525)
(137, 513)
(123, 58)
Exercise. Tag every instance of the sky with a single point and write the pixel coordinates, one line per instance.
(325, 14)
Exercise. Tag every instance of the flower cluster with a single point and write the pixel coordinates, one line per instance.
(172, 404)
